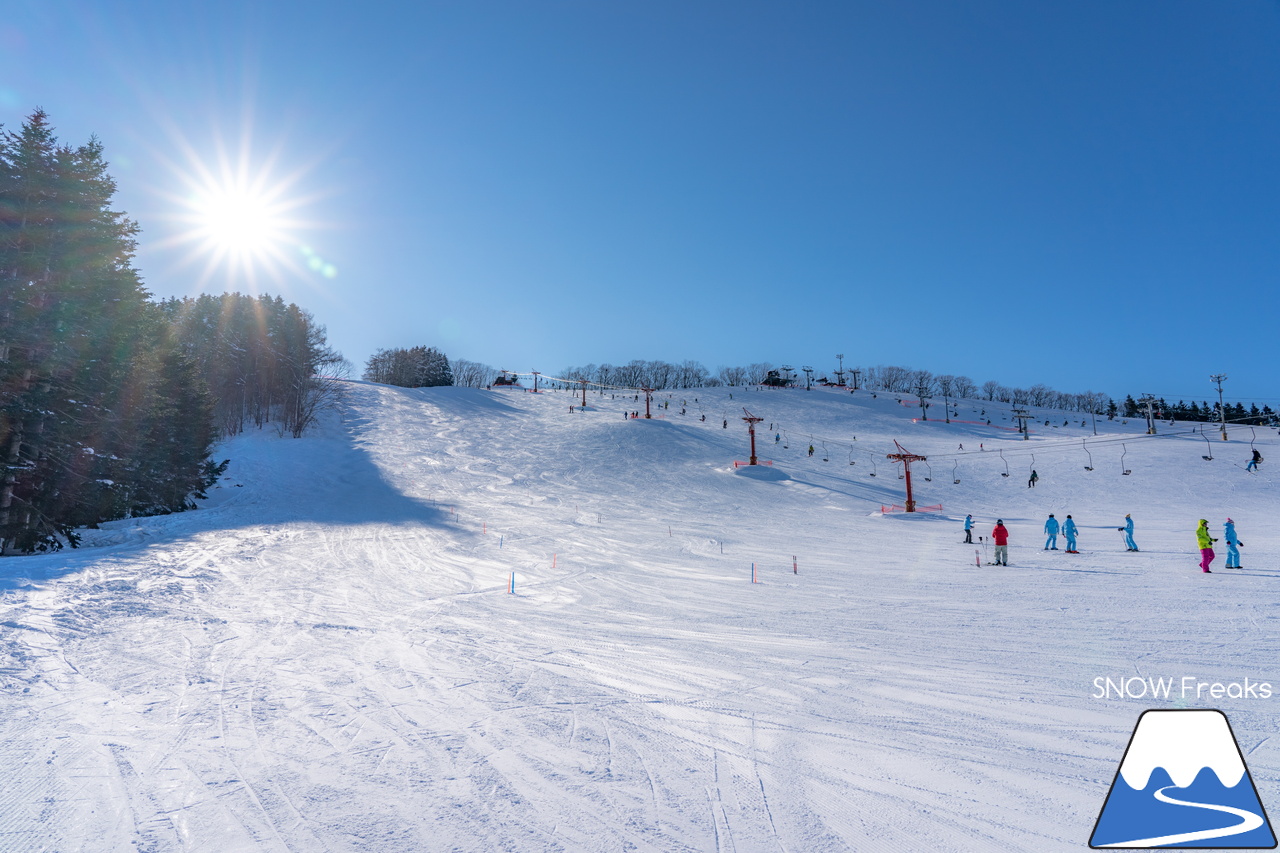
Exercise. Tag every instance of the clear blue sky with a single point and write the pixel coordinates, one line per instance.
(1084, 194)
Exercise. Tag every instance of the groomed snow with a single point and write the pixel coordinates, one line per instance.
(326, 655)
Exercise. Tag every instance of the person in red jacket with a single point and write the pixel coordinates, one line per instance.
(1000, 534)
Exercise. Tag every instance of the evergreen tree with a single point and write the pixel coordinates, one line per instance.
(81, 368)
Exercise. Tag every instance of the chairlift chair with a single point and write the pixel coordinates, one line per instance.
(1208, 458)
(1006, 463)
(1123, 470)
(955, 473)
(1085, 445)
(928, 475)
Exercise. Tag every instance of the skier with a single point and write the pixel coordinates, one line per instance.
(1051, 528)
(1206, 545)
(1233, 544)
(1129, 544)
(968, 530)
(1253, 463)
(1069, 530)
(962, 447)
(1034, 476)
(726, 423)
(811, 450)
(1001, 536)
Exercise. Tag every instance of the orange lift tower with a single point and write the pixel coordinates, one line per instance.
(752, 420)
(906, 458)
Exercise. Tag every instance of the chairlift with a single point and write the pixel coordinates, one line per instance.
(851, 462)
(928, 476)
(1254, 437)
(1032, 466)
(1085, 445)
(1006, 463)
(898, 465)
(955, 473)
(1124, 470)
(825, 455)
(873, 464)
(786, 440)
(1209, 443)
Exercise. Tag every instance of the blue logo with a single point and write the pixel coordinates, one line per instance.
(1183, 783)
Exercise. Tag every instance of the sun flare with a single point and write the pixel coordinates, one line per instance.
(238, 221)
(238, 217)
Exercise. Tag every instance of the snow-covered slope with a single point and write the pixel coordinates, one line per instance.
(327, 655)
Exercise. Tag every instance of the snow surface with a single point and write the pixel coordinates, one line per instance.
(326, 655)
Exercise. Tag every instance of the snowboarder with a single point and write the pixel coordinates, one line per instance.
(1233, 544)
(1127, 530)
(1069, 531)
(1034, 476)
(968, 530)
(1206, 545)
(1001, 536)
(1051, 528)
(1253, 463)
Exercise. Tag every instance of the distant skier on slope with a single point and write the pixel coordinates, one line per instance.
(1069, 530)
(1051, 529)
(1206, 545)
(1000, 534)
(1233, 544)
(968, 530)
(1127, 530)
(1034, 476)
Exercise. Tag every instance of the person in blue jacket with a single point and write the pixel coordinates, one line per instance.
(1051, 528)
(1129, 544)
(968, 530)
(1233, 544)
(1069, 530)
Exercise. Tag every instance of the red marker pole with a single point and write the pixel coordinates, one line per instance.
(795, 567)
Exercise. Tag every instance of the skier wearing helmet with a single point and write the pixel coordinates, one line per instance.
(1129, 544)
(1069, 530)
(1233, 544)
(1000, 534)
(1206, 545)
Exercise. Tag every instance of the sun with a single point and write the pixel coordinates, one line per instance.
(239, 218)
(238, 221)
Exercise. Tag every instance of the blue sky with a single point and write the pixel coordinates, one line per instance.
(1082, 194)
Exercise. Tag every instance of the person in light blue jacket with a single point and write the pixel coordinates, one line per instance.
(1051, 528)
(1233, 544)
(1069, 530)
(1129, 544)
(968, 530)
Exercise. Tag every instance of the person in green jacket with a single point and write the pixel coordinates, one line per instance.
(1206, 545)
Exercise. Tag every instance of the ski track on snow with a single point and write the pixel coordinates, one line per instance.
(326, 657)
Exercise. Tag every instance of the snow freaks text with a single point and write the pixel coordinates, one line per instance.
(1186, 687)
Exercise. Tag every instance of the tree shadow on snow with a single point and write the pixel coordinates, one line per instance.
(324, 479)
